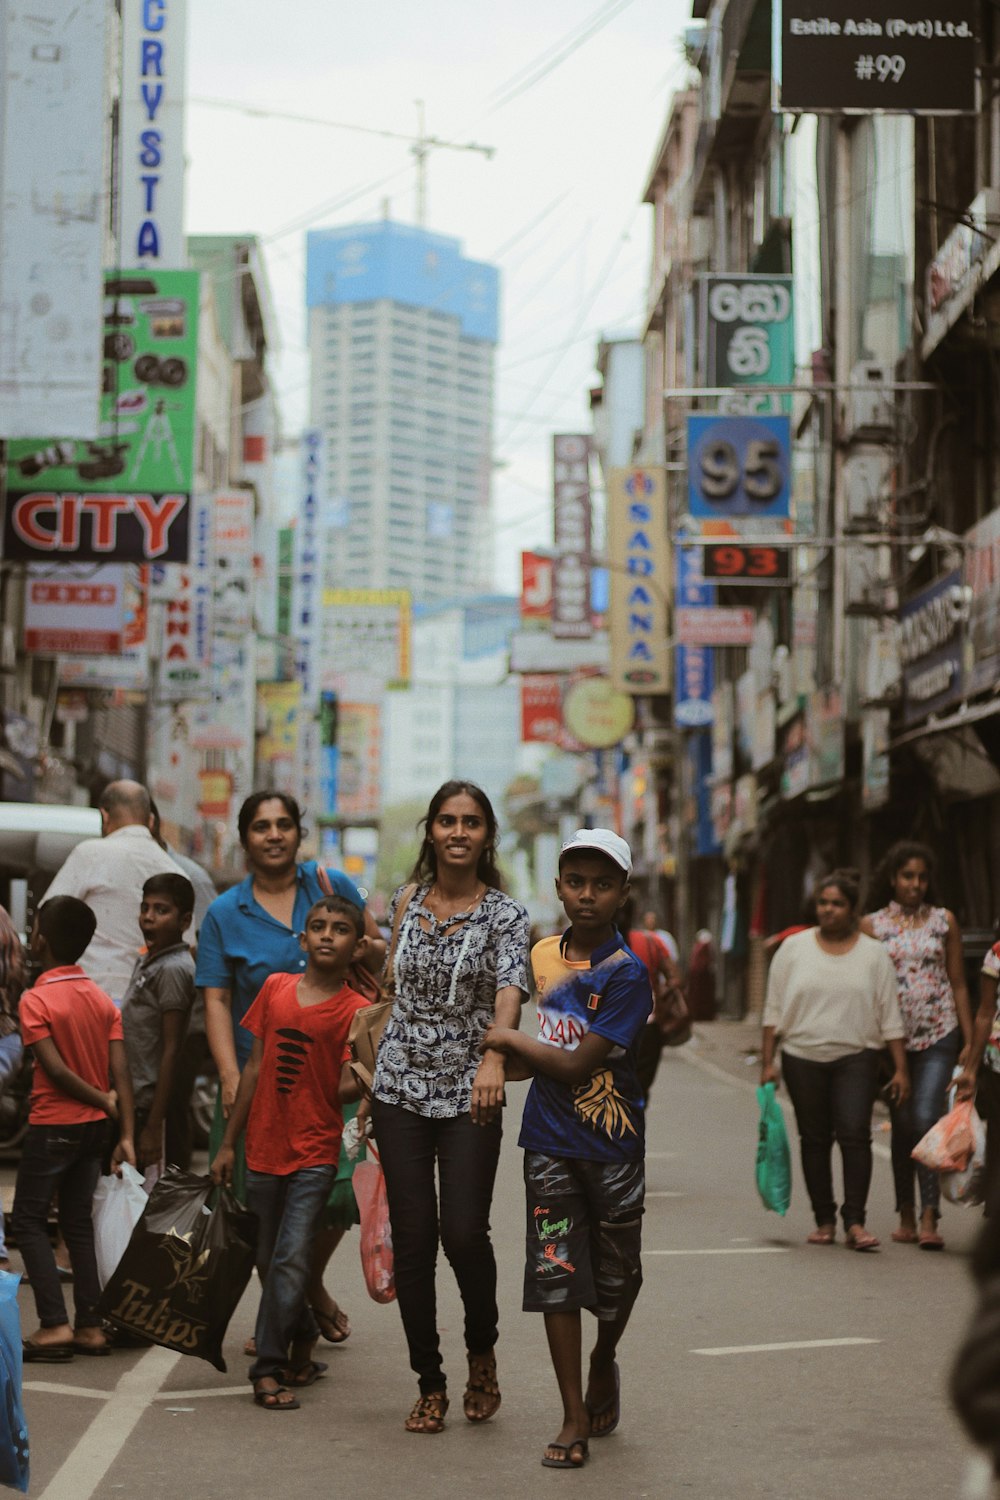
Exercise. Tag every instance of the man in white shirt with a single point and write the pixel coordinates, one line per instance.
(108, 873)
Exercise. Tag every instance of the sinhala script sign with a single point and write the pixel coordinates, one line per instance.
(883, 55)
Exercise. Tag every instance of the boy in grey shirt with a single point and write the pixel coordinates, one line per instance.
(156, 1007)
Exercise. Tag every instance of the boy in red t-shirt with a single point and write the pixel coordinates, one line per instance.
(290, 1091)
(75, 1032)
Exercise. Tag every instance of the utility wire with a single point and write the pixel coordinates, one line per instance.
(548, 61)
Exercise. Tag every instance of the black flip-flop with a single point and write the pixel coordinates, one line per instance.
(566, 1449)
(614, 1404)
(46, 1354)
(303, 1375)
(266, 1400)
(325, 1321)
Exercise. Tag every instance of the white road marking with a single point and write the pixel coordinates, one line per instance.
(755, 1250)
(56, 1388)
(779, 1348)
(100, 1445)
(222, 1390)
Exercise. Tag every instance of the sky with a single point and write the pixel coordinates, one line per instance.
(574, 120)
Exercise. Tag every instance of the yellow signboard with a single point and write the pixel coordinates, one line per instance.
(639, 581)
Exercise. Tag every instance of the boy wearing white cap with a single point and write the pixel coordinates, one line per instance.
(583, 1135)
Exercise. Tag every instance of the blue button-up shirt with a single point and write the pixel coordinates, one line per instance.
(240, 944)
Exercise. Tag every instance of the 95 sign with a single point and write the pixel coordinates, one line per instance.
(750, 562)
(738, 466)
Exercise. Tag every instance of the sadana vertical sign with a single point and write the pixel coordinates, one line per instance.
(639, 562)
(864, 59)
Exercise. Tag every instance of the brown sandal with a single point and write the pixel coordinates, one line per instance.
(428, 1414)
(482, 1394)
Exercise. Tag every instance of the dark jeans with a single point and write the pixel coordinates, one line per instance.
(64, 1159)
(288, 1211)
(833, 1101)
(466, 1157)
(930, 1072)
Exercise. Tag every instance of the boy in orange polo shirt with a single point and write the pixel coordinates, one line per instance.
(75, 1032)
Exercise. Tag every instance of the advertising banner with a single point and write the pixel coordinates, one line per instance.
(748, 338)
(279, 742)
(128, 669)
(123, 497)
(307, 593)
(571, 534)
(53, 123)
(982, 579)
(151, 152)
(930, 648)
(536, 588)
(186, 590)
(359, 733)
(366, 631)
(739, 466)
(232, 529)
(74, 610)
(541, 709)
(694, 669)
(713, 625)
(639, 562)
(839, 57)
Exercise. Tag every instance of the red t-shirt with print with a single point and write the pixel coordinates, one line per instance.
(68, 1007)
(296, 1120)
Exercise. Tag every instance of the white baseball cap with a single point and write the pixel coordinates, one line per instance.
(605, 842)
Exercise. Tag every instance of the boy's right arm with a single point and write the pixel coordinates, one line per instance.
(555, 1062)
(222, 1166)
(47, 1053)
(122, 1080)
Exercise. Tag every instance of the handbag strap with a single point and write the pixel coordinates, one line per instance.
(323, 879)
(405, 900)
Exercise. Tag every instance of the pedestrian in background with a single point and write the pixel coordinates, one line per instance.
(925, 945)
(832, 1008)
(11, 1046)
(156, 1007)
(669, 1011)
(980, 1077)
(107, 873)
(460, 965)
(251, 932)
(75, 1033)
(650, 923)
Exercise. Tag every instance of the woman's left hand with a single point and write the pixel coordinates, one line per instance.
(487, 1089)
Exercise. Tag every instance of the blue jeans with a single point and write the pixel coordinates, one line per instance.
(834, 1100)
(288, 1210)
(930, 1073)
(67, 1159)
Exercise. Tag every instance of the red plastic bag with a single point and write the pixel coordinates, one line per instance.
(368, 1182)
(948, 1145)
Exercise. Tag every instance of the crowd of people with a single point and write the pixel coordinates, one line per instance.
(129, 956)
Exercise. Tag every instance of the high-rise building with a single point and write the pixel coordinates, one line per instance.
(402, 333)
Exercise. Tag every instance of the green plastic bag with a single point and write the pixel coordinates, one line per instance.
(774, 1159)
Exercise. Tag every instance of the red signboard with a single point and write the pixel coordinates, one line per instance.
(541, 708)
(82, 611)
(536, 586)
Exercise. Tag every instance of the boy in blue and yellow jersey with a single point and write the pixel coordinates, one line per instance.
(583, 1135)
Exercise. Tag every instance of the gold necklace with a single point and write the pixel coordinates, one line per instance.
(449, 916)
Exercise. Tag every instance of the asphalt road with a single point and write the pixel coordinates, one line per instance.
(852, 1403)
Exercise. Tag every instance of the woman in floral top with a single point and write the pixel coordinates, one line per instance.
(460, 966)
(925, 945)
(982, 1066)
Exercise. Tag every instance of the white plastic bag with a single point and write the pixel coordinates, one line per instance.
(968, 1187)
(118, 1206)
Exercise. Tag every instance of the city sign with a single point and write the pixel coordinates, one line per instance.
(840, 57)
(738, 466)
(56, 527)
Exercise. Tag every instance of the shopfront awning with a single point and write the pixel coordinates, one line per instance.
(971, 715)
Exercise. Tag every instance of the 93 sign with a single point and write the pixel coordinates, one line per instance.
(750, 563)
(738, 466)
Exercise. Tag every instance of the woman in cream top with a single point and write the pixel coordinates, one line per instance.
(832, 1006)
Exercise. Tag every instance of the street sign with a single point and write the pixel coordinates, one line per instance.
(713, 625)
(750, 563)
(738, 466)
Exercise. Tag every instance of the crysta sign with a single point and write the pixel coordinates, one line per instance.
(151, 147)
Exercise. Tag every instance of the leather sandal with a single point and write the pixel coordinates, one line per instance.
(429, 1413)
(860, 1239)
(481, 1399)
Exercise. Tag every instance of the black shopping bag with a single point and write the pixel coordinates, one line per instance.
(185, 1269)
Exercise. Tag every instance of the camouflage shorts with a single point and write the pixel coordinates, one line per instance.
(583, 1235)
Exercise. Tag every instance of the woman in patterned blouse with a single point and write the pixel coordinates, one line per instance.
(925, 945)
(460, 965)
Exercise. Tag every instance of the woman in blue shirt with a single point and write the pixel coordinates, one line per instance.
(251, 932)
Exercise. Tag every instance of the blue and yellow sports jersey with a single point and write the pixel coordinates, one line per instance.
(602, 1118)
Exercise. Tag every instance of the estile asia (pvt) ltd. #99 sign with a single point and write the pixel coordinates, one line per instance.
(738, 466)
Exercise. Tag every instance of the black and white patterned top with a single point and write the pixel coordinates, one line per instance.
(447, 980)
